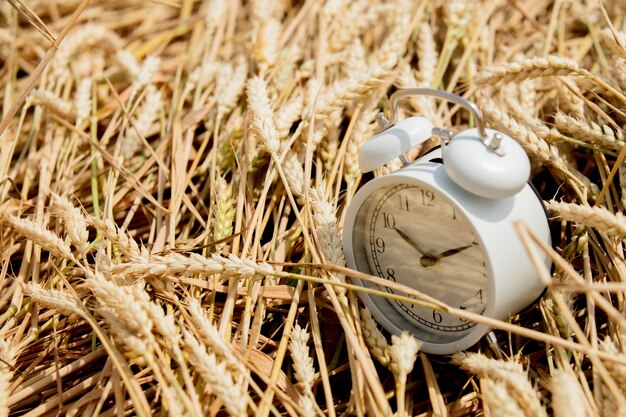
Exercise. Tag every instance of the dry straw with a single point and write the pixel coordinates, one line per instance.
(185, 101)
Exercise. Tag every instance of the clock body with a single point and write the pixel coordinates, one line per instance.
(417, 227)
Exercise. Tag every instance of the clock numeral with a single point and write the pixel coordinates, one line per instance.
(479, 295)
(460, 319)
(404, 202)
(437, 316)
(453, 214)
(389, 221)
(380, 245)
(428, 198)
(391, 274)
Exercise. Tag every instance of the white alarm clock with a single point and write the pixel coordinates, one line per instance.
(443, 225)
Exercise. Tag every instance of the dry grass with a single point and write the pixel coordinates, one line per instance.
(173, 183)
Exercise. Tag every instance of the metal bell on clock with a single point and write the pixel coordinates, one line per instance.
(482, 161)
(499, 169)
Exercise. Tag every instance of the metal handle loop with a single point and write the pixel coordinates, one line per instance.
(471, 107)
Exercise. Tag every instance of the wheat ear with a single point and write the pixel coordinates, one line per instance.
(210, 335)
(499, 400)
(303, 367)
(147, 71)
(74, 221)
(41, 236)
(287, 115)
(179, 264)
(114, 234)
(403, 353)
(262, 114)
(529, 68)
(374, 339)
(219, 380)
(52, 102)
(510, 373)
(608, 405)
(597, 217)
(568, 399)
(589, 131)
(231, 82)
(83, 101)
(61, 301)
(328, 232)
(542, 151)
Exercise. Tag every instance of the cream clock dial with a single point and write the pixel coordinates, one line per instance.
(414, 236)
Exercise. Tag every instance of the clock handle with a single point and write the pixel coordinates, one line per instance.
(492, 142)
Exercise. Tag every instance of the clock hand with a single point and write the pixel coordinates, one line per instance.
(411, 242)
(451, 252)
(427, 259)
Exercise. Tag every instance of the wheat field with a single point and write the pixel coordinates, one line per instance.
(174, 176)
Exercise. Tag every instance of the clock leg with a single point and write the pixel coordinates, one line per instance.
(492, 341)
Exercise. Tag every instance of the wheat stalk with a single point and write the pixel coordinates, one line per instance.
(5, 381)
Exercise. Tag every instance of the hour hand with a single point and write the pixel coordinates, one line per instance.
(411, 242)
(451, 252)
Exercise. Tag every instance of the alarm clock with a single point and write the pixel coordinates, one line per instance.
(443, 225)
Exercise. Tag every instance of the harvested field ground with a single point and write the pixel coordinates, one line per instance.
(174, 178)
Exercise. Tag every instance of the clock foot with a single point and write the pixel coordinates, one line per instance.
(492, 341)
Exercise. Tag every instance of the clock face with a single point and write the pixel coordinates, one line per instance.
(412, 235)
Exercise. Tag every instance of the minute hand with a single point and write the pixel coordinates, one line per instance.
(412, 243)
(451, 252)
